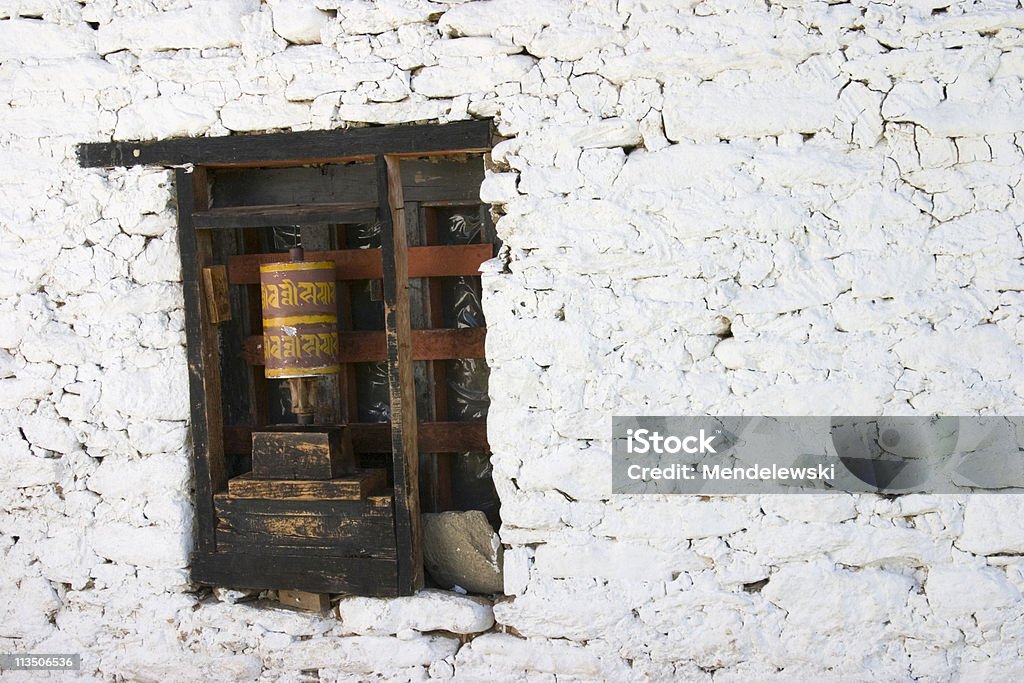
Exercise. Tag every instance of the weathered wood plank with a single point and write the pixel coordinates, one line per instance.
(324, 183)
(288, 214)
(455, 181)
(400, 376)
(365, 347)
(296, 570)
(365, 264)
(313, 452)
(353, 487)
(304, 600)
(377, 506)
(355, 529)
(203, 358)
(291, 148)
(215, 289)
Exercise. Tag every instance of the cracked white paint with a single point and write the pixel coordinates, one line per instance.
(706, 207)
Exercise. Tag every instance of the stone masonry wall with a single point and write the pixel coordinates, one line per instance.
(719, 207)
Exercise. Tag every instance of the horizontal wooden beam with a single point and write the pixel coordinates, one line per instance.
(369, 346)
(291, 148)
(284, 214)
(353, 487)
(275, 568)
(375, 437)
(365, 264)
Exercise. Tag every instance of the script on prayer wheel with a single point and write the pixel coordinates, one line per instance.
(300, 318)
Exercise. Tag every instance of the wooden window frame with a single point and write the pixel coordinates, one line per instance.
(386, 146)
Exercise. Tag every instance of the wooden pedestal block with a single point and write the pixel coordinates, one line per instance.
(296, 452)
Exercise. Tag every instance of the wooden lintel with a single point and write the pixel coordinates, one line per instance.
(289, 214)
(293, 149)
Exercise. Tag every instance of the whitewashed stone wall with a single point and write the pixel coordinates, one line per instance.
(708, 207)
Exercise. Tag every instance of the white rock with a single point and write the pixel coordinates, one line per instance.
(20, 469)
(474, 47)
(948, 594)
(492, 656)
(298, 21)
(360, 17)
(771, 105)
(152, 436)
(143, 546)
(132, 479)
(393, 112)
(827, 599)
(207, 23)
(456, 76)
(990, 525)
(428, 610)
(53, 434)
(24, 39)
(364, 654)
(486, 18)
(159, 393)
(164, 117)
(499, 188)
(251, 113)
(569, 43)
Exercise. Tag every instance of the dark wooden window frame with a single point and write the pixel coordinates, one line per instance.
(194, 158)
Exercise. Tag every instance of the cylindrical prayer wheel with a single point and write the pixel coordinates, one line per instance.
(300, 318)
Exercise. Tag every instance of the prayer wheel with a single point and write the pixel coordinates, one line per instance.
(300, 325)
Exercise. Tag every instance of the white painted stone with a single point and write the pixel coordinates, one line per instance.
(204, 24)
(160, 261)
(358, 17)
(146, 546)
(132, 479)
(570, 43)
(364, 654)
(428, 610)
(499, 188)
(489, 17)
(398, 112)
(497, 656)
(819, 596)
(254, 114)
(954, 590)
(474, 47)
(989, 526)
(297, 21)
(162, 117)
(52, 434)
(159, 393)
(456, 76)
(25, 39)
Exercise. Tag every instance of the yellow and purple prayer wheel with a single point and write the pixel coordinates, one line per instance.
(300, 318)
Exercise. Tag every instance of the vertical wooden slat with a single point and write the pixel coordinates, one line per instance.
(203, 358)
(259, 387)
(400, 376)
(438, 369)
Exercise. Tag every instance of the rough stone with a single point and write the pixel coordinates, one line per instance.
(428, 610)
(461, 549)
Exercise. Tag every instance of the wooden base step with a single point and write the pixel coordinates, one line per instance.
(362, 484)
